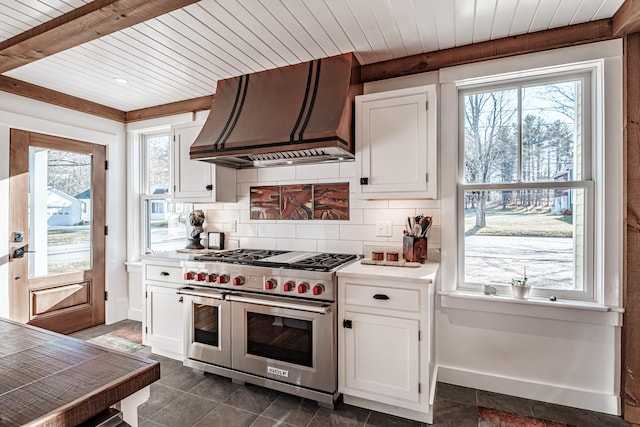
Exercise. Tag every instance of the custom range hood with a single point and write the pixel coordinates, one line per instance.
(302, 113)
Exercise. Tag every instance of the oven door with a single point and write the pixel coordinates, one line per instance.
(285, 339)
(207, 326)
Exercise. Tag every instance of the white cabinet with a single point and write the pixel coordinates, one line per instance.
(385, 339)
(162, 326)
(195, 180)
(396, 144)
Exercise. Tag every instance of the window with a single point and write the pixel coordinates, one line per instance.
(526, 190)
(163, 221)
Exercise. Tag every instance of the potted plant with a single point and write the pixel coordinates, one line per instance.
(521, 287)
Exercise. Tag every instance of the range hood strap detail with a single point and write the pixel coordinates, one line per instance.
(235, 113)
(292, 135)
(313, 100)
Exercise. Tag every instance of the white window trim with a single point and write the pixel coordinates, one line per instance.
(589, 73)
(609, 212)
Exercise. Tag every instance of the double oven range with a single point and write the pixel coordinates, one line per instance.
(265, 317)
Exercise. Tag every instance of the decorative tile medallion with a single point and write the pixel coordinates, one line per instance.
(265, 202)
(295, 202)
(300, 201)
(331, 201)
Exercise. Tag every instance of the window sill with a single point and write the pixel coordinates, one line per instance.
(565, 310)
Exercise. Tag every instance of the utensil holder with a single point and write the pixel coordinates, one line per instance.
(414, 249)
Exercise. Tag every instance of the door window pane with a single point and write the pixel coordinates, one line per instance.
(60, 212)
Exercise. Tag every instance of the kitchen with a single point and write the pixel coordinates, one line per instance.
(485, 326)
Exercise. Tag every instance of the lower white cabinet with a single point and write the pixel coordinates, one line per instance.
(162, 326)
(385, 343)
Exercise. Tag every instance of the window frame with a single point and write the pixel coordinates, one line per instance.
(591, 115)
(146, 199)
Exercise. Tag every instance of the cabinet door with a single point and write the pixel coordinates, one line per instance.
(382, 358)
(190, 177)
(396, 143)
(164, 328)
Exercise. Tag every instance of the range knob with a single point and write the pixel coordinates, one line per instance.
(211, 278)
(318, 289)
(238, 281)
(200, 277)
(288, 286)
(303, 287)
(189, 275)
(270, 284)
(223, 278)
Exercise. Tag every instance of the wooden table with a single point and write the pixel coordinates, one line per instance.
(48, 379)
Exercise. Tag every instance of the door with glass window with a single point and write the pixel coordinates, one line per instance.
(57, 231)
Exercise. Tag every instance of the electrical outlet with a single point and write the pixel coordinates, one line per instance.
(383, 229)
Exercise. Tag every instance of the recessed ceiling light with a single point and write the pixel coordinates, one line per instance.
(120, 80)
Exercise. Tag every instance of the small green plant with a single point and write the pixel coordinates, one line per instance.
(521, 282)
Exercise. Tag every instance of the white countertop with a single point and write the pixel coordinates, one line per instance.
(426, 272)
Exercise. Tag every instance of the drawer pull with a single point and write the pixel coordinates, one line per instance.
(381, 297)
(164, 273)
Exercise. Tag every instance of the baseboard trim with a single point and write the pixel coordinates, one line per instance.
(134, 314)
(576, 398)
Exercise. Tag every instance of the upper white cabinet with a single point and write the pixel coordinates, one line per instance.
(396, 144)
(195, 180)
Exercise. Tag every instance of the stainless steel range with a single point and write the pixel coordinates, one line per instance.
(265, 317)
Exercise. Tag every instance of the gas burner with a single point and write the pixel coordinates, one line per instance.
(322, 262)
(240, 256)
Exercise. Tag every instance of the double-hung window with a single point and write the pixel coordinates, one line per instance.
(526, 184)
(163, 221)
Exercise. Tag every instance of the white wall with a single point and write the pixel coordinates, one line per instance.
(22, 113)
(566, 353)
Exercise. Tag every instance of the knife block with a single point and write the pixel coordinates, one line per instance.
(414, 249)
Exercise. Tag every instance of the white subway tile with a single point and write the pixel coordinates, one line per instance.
(257, 243)
(395, 216)
(340, 246)
(318, 171)
(348, 169)
(284, 173)
(415, 204)
(319, 231)
(308, 245)
(281, 231)
(247, 230)
(244, 189)
(356, 202)
(247, 175)
(360, 232)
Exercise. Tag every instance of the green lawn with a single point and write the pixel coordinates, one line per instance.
(520, 224)
(63, 236)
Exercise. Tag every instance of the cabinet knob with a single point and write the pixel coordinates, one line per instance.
(364, 181)
(209, 187)
(380, 297)
(164, 273)
(347, 324)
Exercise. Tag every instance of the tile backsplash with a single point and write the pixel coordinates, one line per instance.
(357, 234)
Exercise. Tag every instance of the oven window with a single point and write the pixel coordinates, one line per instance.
(205, 324)
(280, 338)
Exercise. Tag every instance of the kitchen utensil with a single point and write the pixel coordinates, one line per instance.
(416, 231)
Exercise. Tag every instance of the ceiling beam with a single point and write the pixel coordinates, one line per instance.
(187, 106)
(86, 23)
(627, 18)
(28, 90)
(500, 48)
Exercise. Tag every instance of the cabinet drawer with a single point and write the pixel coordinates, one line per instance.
(162, 273)
(372, 296)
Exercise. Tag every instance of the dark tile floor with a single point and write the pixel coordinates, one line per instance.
(184, 398)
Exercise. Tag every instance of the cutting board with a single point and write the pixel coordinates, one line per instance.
(401, 263)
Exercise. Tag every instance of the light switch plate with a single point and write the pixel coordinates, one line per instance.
(384, 229)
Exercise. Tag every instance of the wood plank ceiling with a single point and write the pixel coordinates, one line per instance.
(180, 55)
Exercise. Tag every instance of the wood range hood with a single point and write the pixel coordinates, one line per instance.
(301, 113)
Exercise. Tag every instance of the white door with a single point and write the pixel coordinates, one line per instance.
(382, 358)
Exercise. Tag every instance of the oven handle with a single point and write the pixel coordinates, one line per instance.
(281, 304)
(200, 293)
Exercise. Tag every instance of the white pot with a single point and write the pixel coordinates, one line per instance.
(520, 292)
